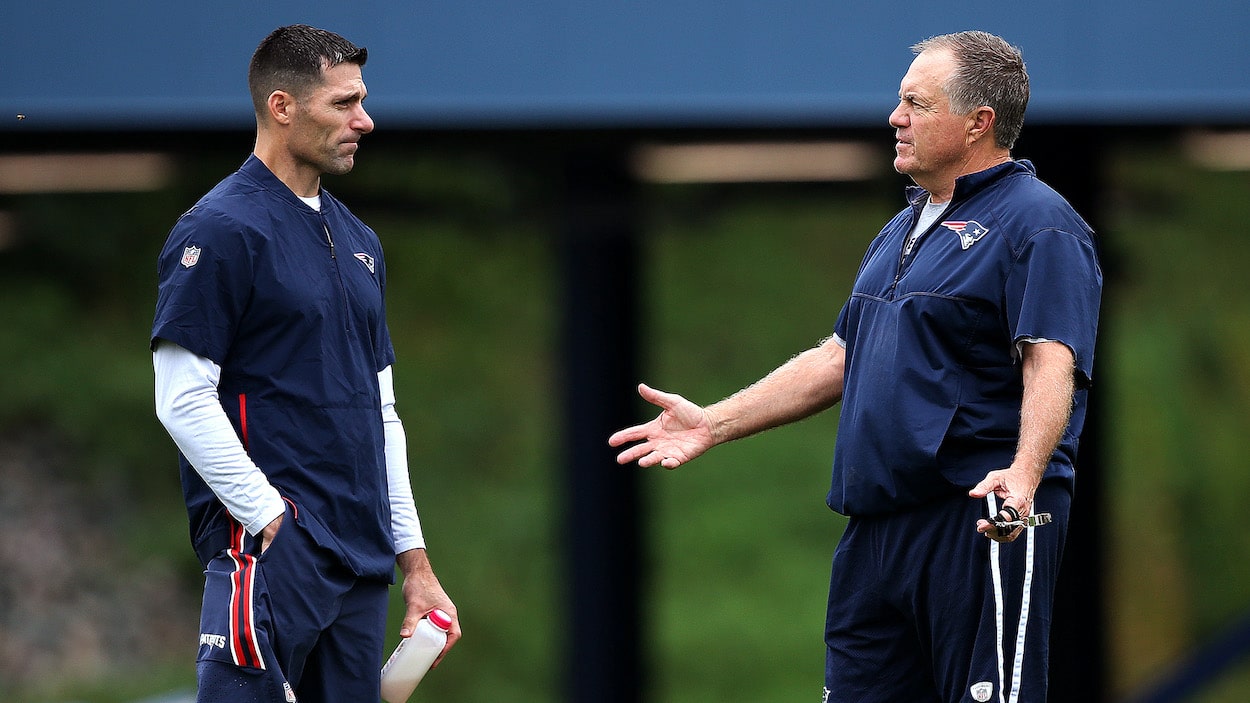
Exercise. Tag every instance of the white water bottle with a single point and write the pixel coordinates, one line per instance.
(413, 656)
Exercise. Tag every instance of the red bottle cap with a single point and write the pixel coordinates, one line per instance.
(440, 620)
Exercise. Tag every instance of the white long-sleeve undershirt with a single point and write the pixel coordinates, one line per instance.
(405, 524)
(188, 405)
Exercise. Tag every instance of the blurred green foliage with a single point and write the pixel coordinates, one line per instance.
(736, 280)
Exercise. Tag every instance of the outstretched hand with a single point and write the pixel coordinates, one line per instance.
(681, 432)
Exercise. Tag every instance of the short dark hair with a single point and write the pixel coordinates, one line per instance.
(292, 58)
(990, 72)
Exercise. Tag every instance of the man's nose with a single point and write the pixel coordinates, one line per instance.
(898, 118)
(363, 123)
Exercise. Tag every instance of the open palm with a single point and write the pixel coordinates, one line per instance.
(680, 433)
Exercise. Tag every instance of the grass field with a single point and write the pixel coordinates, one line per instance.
(736, 279)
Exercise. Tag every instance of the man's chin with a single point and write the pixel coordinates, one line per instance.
(341, 166)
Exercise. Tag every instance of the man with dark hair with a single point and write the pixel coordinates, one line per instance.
(292, 59)
(273, 376)
(962, 361)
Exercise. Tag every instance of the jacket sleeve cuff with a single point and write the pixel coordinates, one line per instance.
(271, 509)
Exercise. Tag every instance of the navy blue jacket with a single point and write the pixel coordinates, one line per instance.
(933, 383)
(288, 302)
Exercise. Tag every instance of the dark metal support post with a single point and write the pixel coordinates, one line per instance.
(1071, 161)
(599, 265)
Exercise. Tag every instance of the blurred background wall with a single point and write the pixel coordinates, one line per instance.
(574, 197)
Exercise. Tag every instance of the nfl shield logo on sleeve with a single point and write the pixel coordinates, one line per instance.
(190, 256)
(982, 691)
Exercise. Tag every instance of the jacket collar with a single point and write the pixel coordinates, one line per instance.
(256, 170)
(967, 185)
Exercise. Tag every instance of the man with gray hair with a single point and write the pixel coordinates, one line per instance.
(962, 361)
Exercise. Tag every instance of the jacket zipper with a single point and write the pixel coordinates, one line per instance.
(329, 240)
(338, 275)
(903, 254)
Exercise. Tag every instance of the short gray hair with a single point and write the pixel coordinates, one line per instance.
(988, 71)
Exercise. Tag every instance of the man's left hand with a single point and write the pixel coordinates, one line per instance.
(422, 594)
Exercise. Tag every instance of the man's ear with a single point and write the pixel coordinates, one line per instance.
(281, 104)
(980, 123)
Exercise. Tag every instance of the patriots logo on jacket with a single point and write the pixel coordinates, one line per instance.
(368, 260)
(969, 232)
